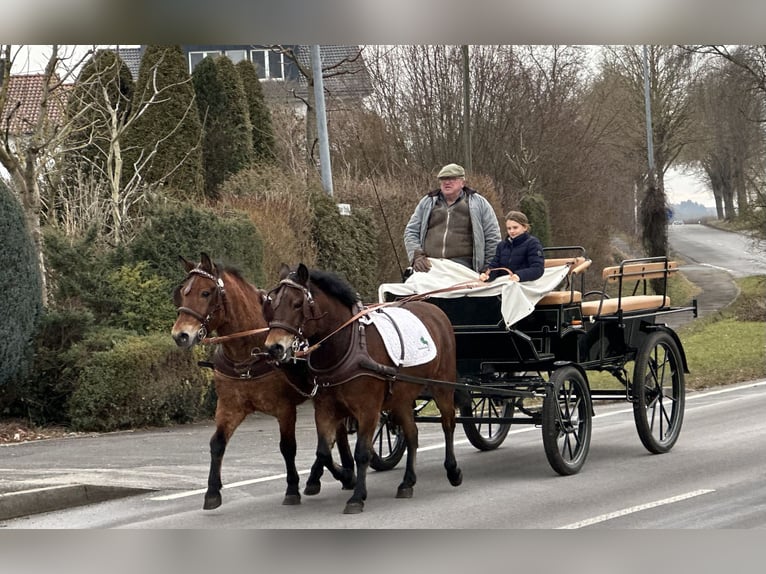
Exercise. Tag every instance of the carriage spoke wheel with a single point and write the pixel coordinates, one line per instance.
(659, 392)
(567, 420)
(388, 444)
(490, 432)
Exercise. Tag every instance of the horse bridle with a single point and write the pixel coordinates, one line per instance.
(220, 296)
(309, 311)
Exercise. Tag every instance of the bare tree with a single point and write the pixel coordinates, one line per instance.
(30, 154)
(732, 102)
(109, 113)
(671, 72)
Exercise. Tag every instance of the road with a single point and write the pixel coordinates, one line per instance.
(712, 479)
(713, 248)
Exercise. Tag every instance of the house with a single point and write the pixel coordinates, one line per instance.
(132, 58)
(346, 76)
(21, 112)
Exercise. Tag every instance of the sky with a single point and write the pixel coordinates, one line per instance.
(687, 186)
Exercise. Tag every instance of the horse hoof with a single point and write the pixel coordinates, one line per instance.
(349, 484)
(404, 492)
(291, 499)
(353, 508)
(456, 478)
(212, 501)
(312, 489)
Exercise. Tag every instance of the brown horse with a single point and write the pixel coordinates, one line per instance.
(353, 373)
(217, 299)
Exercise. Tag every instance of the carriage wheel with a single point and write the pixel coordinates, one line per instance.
(486, 435)
(567, 421)
(388, 444)
(659, 391)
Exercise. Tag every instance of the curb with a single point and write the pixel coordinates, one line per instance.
(50, 498)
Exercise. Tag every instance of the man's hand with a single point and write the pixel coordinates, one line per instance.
(420, 261)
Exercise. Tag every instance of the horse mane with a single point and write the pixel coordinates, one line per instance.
(237, 274)
(334, 286)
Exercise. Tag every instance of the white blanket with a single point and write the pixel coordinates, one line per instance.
(419, 346)
(517, 299)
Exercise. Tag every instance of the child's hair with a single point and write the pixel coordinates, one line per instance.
(518, 217)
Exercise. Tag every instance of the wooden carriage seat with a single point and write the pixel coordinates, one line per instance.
(564, 297)
(632, 272)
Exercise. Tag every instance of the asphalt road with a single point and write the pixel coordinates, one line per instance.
(713, 478)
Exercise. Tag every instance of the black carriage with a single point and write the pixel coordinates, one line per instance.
(536, 371)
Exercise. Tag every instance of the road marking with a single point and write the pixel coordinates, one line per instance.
(634, 509)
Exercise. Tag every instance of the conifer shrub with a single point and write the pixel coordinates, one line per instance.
(21, 301)
(534, 206)
(346, 244)
(228, 139)
(260, 116)
(171, 122)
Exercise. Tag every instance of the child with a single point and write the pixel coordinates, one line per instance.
(521, 252)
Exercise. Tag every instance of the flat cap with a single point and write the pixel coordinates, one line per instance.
(451, 170)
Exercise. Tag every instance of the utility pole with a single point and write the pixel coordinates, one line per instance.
(648, 106)
(466, 111)
(324, 143)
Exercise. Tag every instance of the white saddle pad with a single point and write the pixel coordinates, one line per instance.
(396, 325)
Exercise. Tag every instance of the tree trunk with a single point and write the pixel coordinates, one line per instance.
(32, 204)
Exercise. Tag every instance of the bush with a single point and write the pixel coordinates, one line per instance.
(139, 381)
(534, 206)
(21, 303)
(185, 230)
(44, 394)
(278, 205)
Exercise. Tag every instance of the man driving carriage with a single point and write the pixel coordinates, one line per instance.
(453, 222)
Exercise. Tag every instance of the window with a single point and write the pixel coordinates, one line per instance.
(269, 65)
(236, 55)
(196, 57)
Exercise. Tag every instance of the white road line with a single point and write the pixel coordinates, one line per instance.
(634, 509)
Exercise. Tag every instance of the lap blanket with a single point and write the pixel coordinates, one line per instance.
(517, 299)
(397, 325)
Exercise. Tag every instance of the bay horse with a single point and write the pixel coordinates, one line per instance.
(215, 299)
(353, 373)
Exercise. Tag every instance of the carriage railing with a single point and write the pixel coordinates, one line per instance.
(573, 256)
(633, 278)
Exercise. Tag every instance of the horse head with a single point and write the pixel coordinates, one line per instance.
(199, 301)
(289, 309)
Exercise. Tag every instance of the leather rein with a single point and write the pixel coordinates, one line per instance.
(303, 352)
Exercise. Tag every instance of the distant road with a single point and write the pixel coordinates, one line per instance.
(724, 250)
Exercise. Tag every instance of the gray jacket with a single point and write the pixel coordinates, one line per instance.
(485, 228)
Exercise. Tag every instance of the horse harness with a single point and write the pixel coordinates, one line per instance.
(356, 361)
(220, 293)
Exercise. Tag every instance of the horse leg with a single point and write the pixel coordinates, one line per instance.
(362, 456)
(288, 447)
(227, 421)
(313, 484)
(348, 477)
(446, 406)
(344, 474)
(404, 416)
